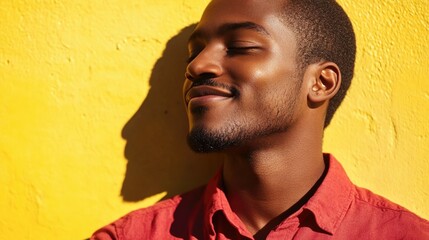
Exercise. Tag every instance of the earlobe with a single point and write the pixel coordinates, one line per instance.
(327, 81)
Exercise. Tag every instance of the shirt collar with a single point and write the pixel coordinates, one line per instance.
(329, 203)
(215, 201)
(332, 199)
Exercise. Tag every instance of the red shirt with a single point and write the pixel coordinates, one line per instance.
(337, 210)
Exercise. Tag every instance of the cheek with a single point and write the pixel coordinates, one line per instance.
(255, 70)
(263, 80)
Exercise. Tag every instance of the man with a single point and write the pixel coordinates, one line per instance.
(261, 79)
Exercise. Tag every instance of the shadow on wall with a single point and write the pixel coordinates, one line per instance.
(158, 156)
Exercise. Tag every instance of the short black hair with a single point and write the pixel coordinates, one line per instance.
(324, 33)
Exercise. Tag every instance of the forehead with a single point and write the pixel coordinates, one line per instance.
(261, 12)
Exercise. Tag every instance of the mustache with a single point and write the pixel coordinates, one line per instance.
(213, 83)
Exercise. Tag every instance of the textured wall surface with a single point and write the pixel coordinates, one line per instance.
(92, 125)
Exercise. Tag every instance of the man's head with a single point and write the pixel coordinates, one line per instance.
(252, 71)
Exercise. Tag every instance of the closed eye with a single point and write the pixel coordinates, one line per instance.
(241, 49)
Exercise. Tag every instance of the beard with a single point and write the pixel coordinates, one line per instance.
(202, 140)
(236, 133)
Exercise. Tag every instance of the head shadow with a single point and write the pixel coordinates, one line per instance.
(158, 157)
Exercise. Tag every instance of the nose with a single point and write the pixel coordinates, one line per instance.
(207, 64)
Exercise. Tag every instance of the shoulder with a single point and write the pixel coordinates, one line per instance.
(153, 221)
(378, 204)
(382, 217)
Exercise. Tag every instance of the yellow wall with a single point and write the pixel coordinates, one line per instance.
(92, 124)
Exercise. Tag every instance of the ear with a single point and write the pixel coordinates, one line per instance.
(325, 84)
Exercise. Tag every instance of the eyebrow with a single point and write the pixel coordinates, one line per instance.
(228, 27)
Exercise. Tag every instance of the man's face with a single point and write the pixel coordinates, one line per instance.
(242, 81)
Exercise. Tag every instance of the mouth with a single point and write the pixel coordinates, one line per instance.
(204, 91)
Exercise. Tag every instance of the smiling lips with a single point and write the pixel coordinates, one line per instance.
(204, 91)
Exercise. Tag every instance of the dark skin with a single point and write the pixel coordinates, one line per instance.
(246, 47)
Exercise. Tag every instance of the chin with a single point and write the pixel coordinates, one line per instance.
(202, 140)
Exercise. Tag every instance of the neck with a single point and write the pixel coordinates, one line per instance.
(264, 180)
